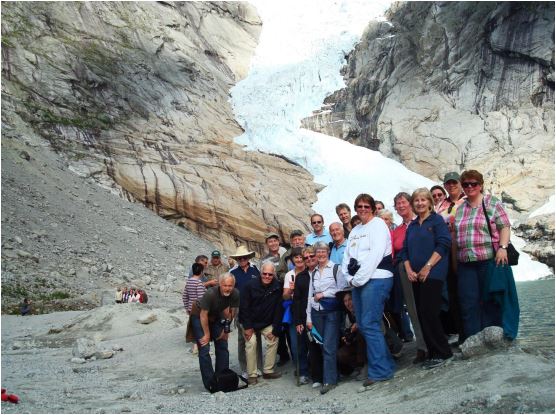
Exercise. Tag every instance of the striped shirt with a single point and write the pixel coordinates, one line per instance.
(473, 239)
(193, 290)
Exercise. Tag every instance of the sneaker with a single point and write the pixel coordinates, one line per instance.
(303, 380)
(317, 385)
(244, 375)
(327, 387)
(432, 363)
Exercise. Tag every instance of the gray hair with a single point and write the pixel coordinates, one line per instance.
(385, 212)
(269, 263)
(321, 245)
(225, 276)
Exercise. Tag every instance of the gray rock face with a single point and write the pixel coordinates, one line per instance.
(489, 339)
(455, 85)
(539, 232)
(84, 348)
(135, 95)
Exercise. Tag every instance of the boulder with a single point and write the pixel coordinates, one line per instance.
(147, 318)
(84, 347)
(104, 354)
(490, 338)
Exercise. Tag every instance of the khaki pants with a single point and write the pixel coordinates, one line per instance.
(270, 352)
(242, 358)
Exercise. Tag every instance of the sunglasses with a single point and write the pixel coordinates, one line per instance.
(316, 222)
(363, 206)
(306, 258)
(270, 274)
(437, 195)
(470, 184)
(242, 258)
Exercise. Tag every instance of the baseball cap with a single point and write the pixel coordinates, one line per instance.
(271, 235)
(215, 254)
(451, 176)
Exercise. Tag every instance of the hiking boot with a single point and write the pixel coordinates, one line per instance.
(420, 357)
(272, 375)
(316, 385)
(303, 380)
(362, 374)
(327, 387)
(432, 363)
(252, 381)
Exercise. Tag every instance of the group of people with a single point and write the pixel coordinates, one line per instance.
(335, 301)
(131, 295)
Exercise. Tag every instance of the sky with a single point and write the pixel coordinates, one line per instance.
(296, 65)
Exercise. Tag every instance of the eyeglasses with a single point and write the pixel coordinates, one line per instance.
(363, 206)
(316, 222)
(306, 258)
(270, 274)
(436, 195)
(470, 184)
(242, 258)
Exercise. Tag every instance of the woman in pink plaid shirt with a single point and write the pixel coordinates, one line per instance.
(475, 251)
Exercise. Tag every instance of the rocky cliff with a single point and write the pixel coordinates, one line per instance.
(135, 96)
(445, 86)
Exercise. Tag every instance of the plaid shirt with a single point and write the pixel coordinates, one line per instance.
(473, 239)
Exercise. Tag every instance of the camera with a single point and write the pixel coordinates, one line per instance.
(349, 335)
(227, 324)
(353, 267)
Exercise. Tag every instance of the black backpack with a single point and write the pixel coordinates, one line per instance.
(226, 381)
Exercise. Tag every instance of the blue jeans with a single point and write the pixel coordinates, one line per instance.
(475, 313)
(299, 350)
(220, 350)
(368, 302)
(327, 324)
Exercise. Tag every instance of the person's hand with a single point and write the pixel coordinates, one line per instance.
(270, 336)
(292, 285)
(318, 296)
(309, 325)
(223, 336)
(227, 313)
(411, 275)
(203, 341)
(299, 328)
(354, 327)
(248, 333)
(501, 256)
(424, 273)
(344, 340)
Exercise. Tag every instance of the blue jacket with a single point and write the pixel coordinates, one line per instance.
(422, 240)
(243, 277)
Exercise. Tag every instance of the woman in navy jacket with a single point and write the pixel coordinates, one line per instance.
(425, 256)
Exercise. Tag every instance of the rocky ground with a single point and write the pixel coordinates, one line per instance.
(153, 371)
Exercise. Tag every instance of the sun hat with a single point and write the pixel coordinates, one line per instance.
(241, 252)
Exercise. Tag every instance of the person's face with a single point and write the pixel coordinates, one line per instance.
(379, 207)
(215, 261)
(364, 212)
(322, 256)
(336, 232)
(348, 302)
(273, 244)
(388, 220)
(203, 262)
(344, 216)
(453, 188)
(243, 261)
(298, 262)
(437, 196)
(226, 287)
(297, 241)
(267, 274)
(317, 223)
(403, 207)
(310, 260)
(421, 205)
(472, 188)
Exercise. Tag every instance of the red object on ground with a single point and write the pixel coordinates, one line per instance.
(13, 398)
(9, 397)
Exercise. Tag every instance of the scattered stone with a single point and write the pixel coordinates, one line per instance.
(147, 318)
(470, 388)
(55, 330)
(79, 360)
(104, 354)
(130, 230)
(147, 280)
(117, 348)
(159, 406)
(18, 239)
(219, 396)
(493, 400)
(181, 391)
(22, 253)
(84, 347)
(125, 409)
(25, 155)
(83, 273)
(489, 339)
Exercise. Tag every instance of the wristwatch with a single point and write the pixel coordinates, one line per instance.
(504, 246)
(429, 264)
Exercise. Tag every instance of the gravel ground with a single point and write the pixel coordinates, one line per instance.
(156, 373)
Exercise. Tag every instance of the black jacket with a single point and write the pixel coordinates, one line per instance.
(300, 294)
(261, 306)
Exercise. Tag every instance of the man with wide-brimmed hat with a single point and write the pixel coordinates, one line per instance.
(244, 272)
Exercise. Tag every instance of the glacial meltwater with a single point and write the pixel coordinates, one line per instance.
(536, 325)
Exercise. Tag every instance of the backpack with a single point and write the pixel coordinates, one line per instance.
(226, 381)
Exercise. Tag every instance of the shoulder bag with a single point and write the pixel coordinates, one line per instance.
(513, 255)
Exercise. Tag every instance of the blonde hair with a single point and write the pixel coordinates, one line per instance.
(423, 191)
